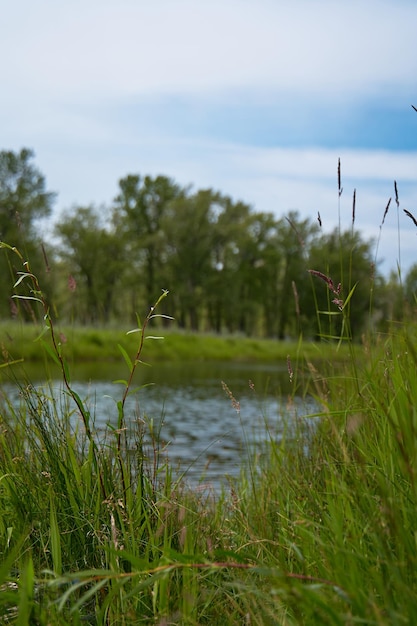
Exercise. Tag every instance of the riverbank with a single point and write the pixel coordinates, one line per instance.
(80, 344)
(95, 532)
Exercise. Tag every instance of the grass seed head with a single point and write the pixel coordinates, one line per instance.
(386, 211)
(411, 216)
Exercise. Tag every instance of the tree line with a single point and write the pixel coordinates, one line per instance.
(227, 266)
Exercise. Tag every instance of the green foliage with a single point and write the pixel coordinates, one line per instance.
(410, 288)
(93, 347)
(309, 539)
(23, 202)
(324, 535)
(229, 268)
(232, 269)
(139, 209)
(96, 256)
(319, 529)
(23, 197)
(189, 241)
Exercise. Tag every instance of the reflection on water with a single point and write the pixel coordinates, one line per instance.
(205, 435)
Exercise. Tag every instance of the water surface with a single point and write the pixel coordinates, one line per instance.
(210, 416)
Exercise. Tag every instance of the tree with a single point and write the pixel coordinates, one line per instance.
(410, 287)
(140, 206)
(232, 255)
(94, 253)
(189, 243)
(400, 297)
(294, 237)
(23, 201)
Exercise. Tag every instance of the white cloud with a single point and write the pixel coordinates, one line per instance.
(65, 65)
(113, 49)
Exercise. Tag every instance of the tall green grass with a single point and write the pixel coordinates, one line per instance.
(320, 528)
(338, 525)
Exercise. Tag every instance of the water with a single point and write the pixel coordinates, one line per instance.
(203, 431)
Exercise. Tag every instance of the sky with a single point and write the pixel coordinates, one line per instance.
(257, 99)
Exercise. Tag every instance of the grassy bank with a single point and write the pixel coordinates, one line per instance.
(90, 344)
(90, 534)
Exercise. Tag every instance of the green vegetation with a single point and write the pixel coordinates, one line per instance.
(229, 268)
(320, 528)
(81, 343)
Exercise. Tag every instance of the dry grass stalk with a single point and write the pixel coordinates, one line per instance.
(235, 403)
(339, 178)
(354, 207)
(411, 216)
(396, 193)
(329, 282)
(386, 211)
(293, 226)
(290, 369)
(296, 299)
(320, 384)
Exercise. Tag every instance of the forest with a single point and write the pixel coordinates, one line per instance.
(227, 267)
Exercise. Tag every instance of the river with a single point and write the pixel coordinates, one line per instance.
(210, 417)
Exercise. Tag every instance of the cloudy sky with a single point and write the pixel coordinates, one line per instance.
(254, 98)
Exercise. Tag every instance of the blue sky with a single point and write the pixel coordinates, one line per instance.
(255, 98)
